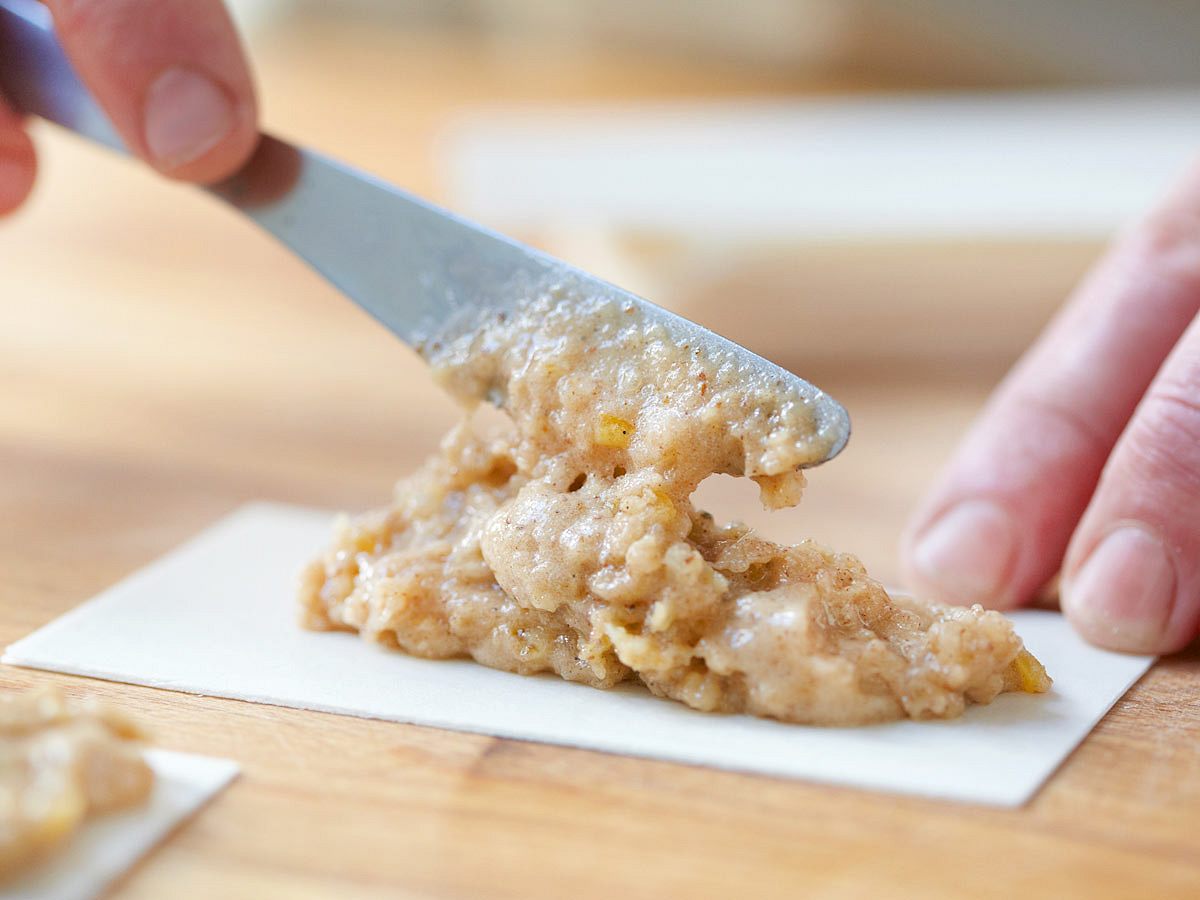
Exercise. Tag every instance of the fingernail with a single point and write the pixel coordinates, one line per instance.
(966, 556)
(186, 115)
(1121, 597)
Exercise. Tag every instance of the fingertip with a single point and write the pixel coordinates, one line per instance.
(1124, 595)
(18, 169)
(964, 555)
(195, 129)
(226, 158)
(172, 77)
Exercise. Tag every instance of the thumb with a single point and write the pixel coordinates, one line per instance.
(172, 77)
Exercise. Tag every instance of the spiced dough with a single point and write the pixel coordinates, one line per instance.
(565, 540)
(62, 762)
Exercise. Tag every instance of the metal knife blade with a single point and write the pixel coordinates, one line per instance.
(420, 270)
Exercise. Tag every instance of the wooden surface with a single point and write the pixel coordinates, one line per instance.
(162, 364)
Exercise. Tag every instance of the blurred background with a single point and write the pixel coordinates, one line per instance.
(889, 197)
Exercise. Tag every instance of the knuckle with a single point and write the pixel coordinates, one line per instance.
(1056, 425)
(1165, 440)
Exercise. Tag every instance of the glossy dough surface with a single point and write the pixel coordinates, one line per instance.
(565, 540)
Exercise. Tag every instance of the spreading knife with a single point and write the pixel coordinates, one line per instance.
(418, 269)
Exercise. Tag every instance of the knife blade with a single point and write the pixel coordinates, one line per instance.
(422, 271)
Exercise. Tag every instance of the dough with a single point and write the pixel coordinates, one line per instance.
(61, 761)
(565, 540)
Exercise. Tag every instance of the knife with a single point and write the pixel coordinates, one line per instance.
(420, 270)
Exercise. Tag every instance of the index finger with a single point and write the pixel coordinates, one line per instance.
(172, 77)
(996, 528)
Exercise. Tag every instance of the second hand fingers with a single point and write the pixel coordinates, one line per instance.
(1131, 580)
(996, 528)
(171, 76)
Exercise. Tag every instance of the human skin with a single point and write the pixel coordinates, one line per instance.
(172, 77)
(1086, 458)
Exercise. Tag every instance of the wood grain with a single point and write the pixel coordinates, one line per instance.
(162, 364)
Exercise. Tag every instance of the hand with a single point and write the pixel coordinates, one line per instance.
(171, 76)
(1088, 455)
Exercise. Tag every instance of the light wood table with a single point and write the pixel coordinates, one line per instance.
(162, 364)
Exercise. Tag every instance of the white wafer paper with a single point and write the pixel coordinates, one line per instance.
(105, 847)
(217, 616)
